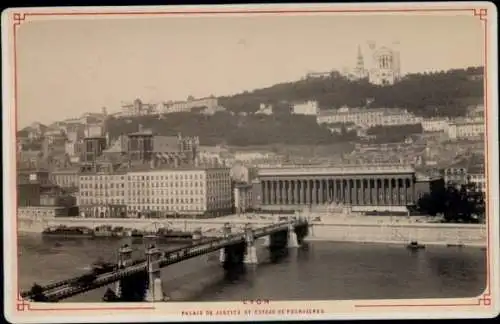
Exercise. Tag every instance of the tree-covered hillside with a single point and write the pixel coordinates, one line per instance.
(224, 128)
(429, 94)
(434, 94)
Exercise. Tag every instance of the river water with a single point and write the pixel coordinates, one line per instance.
(317, 270)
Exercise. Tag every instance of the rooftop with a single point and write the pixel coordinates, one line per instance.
(142, 133)
(328, 170)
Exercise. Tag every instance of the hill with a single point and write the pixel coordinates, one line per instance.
(445, 93)
(430, 94)
(233, 130)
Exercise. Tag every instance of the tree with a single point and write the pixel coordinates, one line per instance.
(464, 204)
(458, 204)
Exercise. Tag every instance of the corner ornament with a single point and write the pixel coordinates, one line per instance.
(485, 300)
(19, 18)
(481, 13)
(23, 305)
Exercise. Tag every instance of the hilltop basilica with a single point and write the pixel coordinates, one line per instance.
(382, 66)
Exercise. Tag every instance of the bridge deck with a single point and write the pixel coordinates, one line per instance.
(70, 287)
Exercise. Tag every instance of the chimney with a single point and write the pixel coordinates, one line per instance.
(140, 127)
(176, 161)
(152, 163)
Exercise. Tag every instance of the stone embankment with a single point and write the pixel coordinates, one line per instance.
(439, 234)
(343, 229)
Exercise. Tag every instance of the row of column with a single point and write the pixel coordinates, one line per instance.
(375, 191)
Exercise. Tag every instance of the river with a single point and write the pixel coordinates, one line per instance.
(317, 270)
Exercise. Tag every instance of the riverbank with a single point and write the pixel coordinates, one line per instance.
(430, 234)
(333, 229)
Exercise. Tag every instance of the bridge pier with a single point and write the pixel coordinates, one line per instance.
(154, 291)
(267, 241)
(226, 231)
(301, 231)
(251, 250)
(278, 245)
(124, 260)
(292, 237)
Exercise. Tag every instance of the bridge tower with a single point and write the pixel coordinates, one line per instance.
(154, 292)
(226, 232)
(124, 260)
(251, 250)
(292, 236)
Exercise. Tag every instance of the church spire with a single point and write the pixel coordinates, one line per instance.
(360, 64)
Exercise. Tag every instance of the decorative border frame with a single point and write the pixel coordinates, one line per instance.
(484, 300)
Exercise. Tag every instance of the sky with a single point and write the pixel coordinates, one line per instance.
(68, 67)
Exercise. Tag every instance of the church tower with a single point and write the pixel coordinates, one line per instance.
(360, 63)
(360, 71)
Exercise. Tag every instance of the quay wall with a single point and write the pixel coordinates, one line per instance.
(438, 234)
(328, 230)
(38, 225)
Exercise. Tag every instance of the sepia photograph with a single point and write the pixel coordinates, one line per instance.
(272, 158)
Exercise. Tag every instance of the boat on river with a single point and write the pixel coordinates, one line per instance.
(65, 231)
(414, 245)
(110, 231)
(174, 236)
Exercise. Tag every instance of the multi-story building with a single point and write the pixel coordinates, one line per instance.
(476, 111)
(145, 146)
(34, 131)
(305, 108)
(54, 196)
(74, 150)
(476, 175)
(243, 197)
(466, 129)
(102, 192)
(39, 176)
(427, 185)
(264, 109)
(55, 136)
(28, 194)
(180, 191)
(137, 108)
(455, 175)
(140, 145)
(66, 178)
(367, 118)
(209, 104)
(435, 124)
(41, 212)
(318, 75)
(94, 130)
(92, 148)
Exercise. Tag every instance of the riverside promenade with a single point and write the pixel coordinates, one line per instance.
(340, 228)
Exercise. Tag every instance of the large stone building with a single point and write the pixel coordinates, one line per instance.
(373, 187)
(102, 192)
(305, 108)
(180, 191)
(367, 118)
(209, 104)
(242, 197)
(92, 148)
(466, 129)
(65, 178)
(147, 190)
(382, 67)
